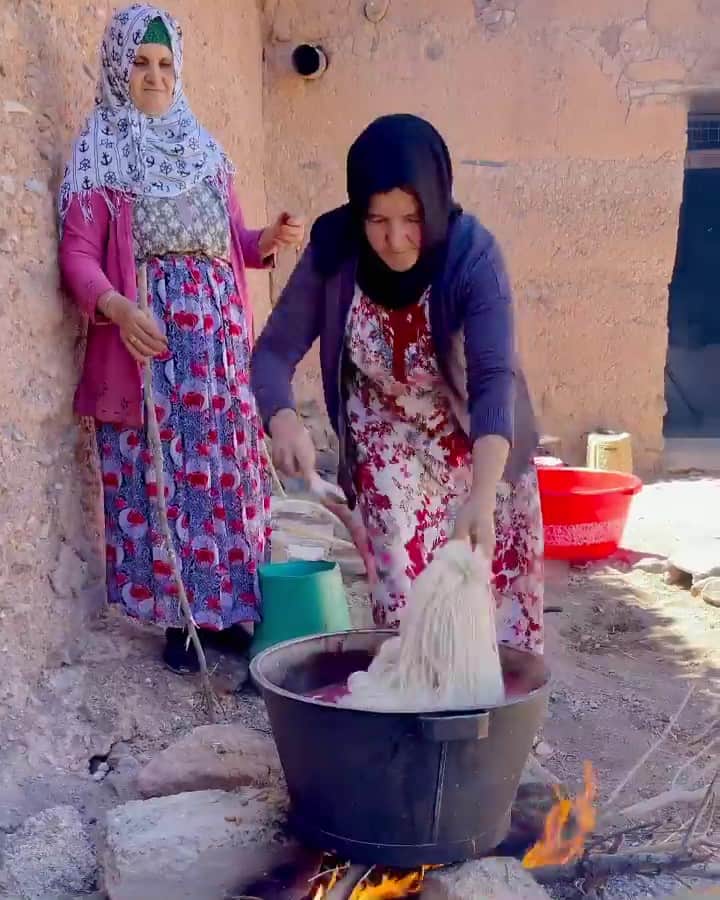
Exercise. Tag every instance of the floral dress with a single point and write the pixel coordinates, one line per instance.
(413, 468)
(216, 467)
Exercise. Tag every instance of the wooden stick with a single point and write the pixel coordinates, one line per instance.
(702, 809)
(660, 801)
(704, 870)
(598, 840)
(605, 865)
(344, 888)
(153, 433)
(693, 759)
(274, 475)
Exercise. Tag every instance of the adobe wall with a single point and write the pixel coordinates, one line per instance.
(566, 120)
(50, 569)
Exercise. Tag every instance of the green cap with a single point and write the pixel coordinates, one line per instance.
(157, 33)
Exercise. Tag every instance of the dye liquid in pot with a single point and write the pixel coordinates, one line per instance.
(515, 686)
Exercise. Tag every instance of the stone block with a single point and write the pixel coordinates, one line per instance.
(494, 878)
(212, 756)
(193, 846)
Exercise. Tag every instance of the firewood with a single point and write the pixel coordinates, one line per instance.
(351, 879)
(600, 866)
(643, 808)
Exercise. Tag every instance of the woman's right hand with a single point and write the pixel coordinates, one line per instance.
(292, 447)
(138, 329)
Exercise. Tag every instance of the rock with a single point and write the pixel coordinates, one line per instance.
(535, 773)
(212, 756)
(193, 846)
(544, 750)
(709, 590)
(101, 771)
(494, 878)
(653, 565)
(677, 577)
(49, 855)
(118, 752)
(699, 558)
(123, 778)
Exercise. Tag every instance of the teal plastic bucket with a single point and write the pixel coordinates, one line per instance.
(299, 599)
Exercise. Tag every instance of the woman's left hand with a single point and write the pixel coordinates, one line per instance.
(287, 231)
(475, 522)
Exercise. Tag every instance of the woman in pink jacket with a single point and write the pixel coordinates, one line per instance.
(148, 185)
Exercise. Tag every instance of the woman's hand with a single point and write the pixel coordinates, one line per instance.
(475, 522)
(292, 447)
(138, 329)
(286, 231)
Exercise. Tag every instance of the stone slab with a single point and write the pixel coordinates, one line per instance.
(194, 846)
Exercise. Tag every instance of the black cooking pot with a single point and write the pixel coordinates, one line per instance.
(396, 789)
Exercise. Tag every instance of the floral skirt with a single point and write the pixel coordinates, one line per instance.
(217, 482)
(408, 518)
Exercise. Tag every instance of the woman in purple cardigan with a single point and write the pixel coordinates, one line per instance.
(148, 185)
(411, 301)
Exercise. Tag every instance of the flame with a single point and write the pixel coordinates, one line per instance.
(375, 885)
(567, 826)
(331, 879)
(390, 887)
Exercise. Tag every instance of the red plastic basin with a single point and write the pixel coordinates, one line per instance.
(584, 511)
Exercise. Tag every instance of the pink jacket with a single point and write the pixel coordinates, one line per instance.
(97, 256)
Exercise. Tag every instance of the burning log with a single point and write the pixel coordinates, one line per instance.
(565, 855)
(560, 840)
(360, 883)
(345, 887)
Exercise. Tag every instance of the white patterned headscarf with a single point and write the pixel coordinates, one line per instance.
(122, 150)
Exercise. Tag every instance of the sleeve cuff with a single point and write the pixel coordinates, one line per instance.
(97, 292)
(251, 249)
(496, 420)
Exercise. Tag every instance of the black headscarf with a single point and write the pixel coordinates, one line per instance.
(399, 151)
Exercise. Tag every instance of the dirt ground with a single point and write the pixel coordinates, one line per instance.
(623, 651)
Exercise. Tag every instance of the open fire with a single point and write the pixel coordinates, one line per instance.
(567, 827)
(374, 884)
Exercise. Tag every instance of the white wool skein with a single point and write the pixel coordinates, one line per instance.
(446, 655)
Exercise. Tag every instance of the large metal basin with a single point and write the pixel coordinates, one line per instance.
(398, 789)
